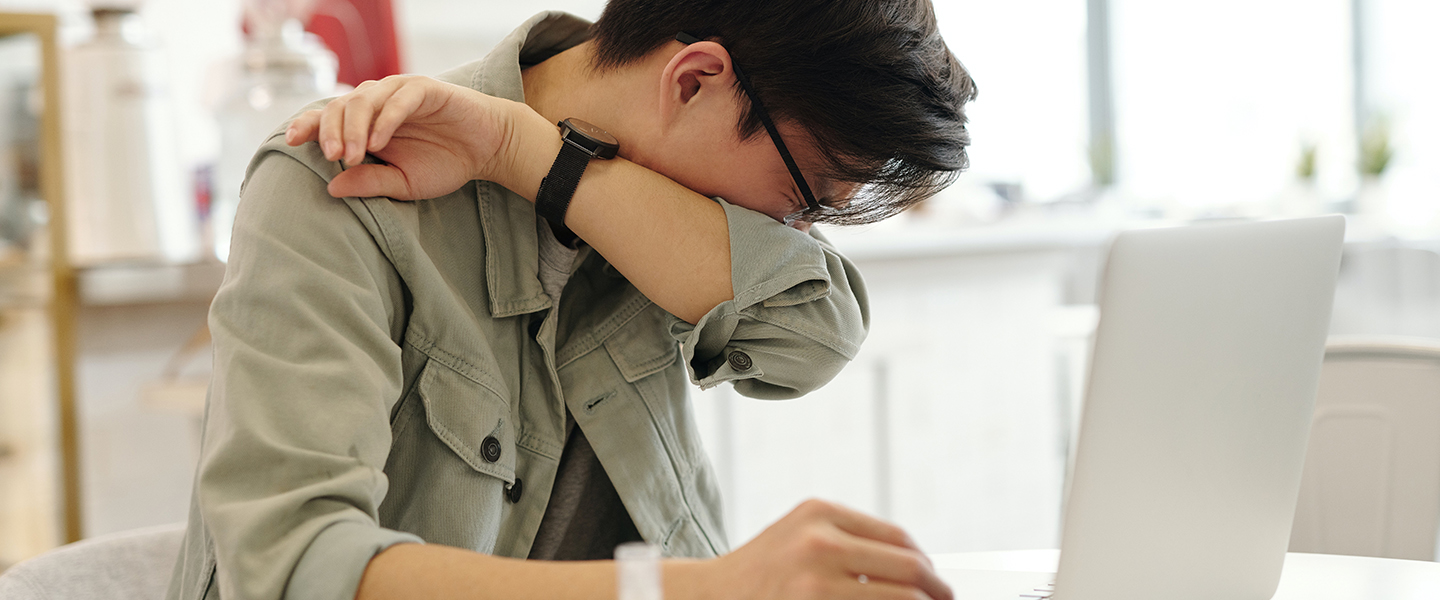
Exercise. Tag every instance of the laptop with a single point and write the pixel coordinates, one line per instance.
(1191, 444)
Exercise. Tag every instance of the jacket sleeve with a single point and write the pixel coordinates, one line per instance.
(798, 316)
(306, 372)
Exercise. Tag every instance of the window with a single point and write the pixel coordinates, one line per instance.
(1028, 124)
(1215, 100)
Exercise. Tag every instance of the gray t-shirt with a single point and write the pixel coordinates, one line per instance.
(585, 518)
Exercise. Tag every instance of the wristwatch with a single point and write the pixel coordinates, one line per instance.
(582, 142)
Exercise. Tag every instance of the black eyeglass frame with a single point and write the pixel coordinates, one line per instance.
(812, 206)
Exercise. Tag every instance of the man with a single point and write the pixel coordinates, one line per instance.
(410, 396)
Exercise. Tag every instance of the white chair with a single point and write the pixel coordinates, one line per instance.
(1371, 485)
(130, 565)
(1386, 289)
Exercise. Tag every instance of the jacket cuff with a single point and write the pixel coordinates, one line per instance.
(772, 263)
(772, 267)
(331, 567)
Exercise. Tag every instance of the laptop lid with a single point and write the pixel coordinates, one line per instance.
(1197, 411)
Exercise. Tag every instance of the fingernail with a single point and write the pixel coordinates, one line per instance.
(330, 150)
(290, 134)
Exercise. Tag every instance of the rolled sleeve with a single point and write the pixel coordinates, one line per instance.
(799, 313)
(336, 559)
(306, 372)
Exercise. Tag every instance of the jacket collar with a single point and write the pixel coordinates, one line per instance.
(507, 220)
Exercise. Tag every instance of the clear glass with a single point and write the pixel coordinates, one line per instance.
(282, 70)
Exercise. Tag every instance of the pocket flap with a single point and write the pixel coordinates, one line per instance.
(801, 293)
(641, 348)
(463, 414)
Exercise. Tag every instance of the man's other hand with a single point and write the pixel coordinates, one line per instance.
(432, 136)
(822, 550)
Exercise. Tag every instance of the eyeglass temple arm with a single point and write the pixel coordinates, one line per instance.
(764, 115)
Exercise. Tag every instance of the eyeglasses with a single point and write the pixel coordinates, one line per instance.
(812, 206)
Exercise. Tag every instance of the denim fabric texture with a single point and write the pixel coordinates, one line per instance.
(367, 349)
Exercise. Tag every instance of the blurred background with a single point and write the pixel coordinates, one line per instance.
(956, 420)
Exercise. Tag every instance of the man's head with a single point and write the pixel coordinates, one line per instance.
(868, 87)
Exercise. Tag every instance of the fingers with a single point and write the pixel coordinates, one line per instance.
(343, 127)
(372, 180)
(332, 120)
(884, 562)
(880, 590)
(403, 103)
(303, 128)
(355, 128)
(879, 550)
(860, 524)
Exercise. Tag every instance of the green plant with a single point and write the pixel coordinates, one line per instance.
(1305, 167)
(1102, 162)
(1375, 149)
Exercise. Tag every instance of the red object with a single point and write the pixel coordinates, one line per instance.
(362, 35)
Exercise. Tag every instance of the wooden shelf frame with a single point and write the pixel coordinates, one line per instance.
(63, 302)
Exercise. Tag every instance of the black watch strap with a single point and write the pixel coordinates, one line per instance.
(558, 187)
(579, 142)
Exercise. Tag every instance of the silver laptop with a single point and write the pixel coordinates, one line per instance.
(1197, 412)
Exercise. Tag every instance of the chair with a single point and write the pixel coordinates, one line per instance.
(130, 565)
(1371, 484)
(1388, 290)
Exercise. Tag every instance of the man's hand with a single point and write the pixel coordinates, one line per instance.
(434, 137)
(817, 552)
(822, 551)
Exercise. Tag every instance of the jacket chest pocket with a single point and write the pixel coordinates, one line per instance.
(471, 419)
(452, 458)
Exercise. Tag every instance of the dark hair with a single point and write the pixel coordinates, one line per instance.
(871, 81)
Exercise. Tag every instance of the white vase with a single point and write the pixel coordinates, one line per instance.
(127, 192)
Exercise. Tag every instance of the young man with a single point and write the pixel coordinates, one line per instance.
(410, 396)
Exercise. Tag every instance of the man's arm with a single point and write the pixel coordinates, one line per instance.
(307, 369)
(729, 274)
(669, 241)
(816, 552)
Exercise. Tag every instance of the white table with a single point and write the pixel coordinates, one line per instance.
(976, 575)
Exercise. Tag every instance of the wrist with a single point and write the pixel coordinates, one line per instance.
(689, 579)
(530, 148)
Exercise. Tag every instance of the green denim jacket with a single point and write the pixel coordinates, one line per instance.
(371, 356)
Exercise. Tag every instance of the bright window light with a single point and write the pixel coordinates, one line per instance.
(1028, 125)
(1214, 101)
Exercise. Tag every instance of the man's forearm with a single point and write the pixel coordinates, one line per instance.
(671, 243)
(438, 572)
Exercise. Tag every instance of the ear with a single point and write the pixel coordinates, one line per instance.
(698, 77)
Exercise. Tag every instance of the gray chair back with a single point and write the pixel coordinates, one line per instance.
(130, 565)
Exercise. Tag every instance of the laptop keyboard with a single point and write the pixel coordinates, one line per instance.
(1041, 593)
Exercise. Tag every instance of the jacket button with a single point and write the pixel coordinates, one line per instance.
(490, 449)
(517, 488)
(740, 361)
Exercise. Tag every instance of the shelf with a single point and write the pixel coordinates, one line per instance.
(23, 283)
(149, 283)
